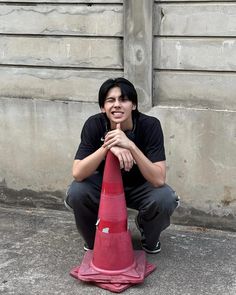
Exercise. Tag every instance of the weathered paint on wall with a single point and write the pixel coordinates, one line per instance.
(195, 19)
(62, 52)
(82, 20)
(195, 89)
(52, 84)
(188, 53)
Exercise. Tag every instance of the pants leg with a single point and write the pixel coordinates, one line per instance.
(84, 198)
(155, 206)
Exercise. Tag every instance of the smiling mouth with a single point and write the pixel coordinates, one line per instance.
(117, 113)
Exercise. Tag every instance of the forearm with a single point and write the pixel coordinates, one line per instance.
(84, 168)
(152, 172)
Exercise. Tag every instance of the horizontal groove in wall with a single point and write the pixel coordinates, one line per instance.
(59, 36)
(187, 2)
(194, 37)
(61, 68)
(60, 3)
(195, 71)
(164, 106)
(47, 100)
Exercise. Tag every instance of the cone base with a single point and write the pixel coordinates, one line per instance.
(135, 274)
(114, 287)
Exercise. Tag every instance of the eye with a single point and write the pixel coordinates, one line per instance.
(109, 100)
(124, 99)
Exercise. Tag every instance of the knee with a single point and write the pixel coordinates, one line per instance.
(77, 194)
(167, 199)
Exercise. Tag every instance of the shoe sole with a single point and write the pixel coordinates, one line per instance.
(151, 251)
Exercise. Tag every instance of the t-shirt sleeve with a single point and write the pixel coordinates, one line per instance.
(155, 150)
(90, 140)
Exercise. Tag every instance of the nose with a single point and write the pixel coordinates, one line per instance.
(117, 103)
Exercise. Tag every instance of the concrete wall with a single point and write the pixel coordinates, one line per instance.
(53, 58)
(194, 95)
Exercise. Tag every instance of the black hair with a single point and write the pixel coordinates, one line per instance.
(126, 87)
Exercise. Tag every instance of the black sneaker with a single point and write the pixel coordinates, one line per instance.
(155, 250)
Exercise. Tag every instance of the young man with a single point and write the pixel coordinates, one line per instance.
(137, 141)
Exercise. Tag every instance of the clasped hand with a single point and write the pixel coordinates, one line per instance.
(119, 144)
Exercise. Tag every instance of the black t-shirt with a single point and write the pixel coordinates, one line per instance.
(147, 135)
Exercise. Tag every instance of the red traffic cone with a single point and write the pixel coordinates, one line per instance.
(113, 264)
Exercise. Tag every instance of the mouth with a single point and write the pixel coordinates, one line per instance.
(117, 113)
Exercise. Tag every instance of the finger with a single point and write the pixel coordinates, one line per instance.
(118, 126)
(130, 165)
(110, 135)
(124, 162)
(110, 142)
(128, 162)
(107, 146)
(121, 162)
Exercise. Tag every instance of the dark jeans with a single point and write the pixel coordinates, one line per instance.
(155, 206)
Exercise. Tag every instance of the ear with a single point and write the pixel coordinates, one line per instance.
(103, 110)
(134, 107)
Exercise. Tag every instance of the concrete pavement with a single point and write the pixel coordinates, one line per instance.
(39, 247)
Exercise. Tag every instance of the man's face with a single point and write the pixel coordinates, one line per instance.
(118, 109)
